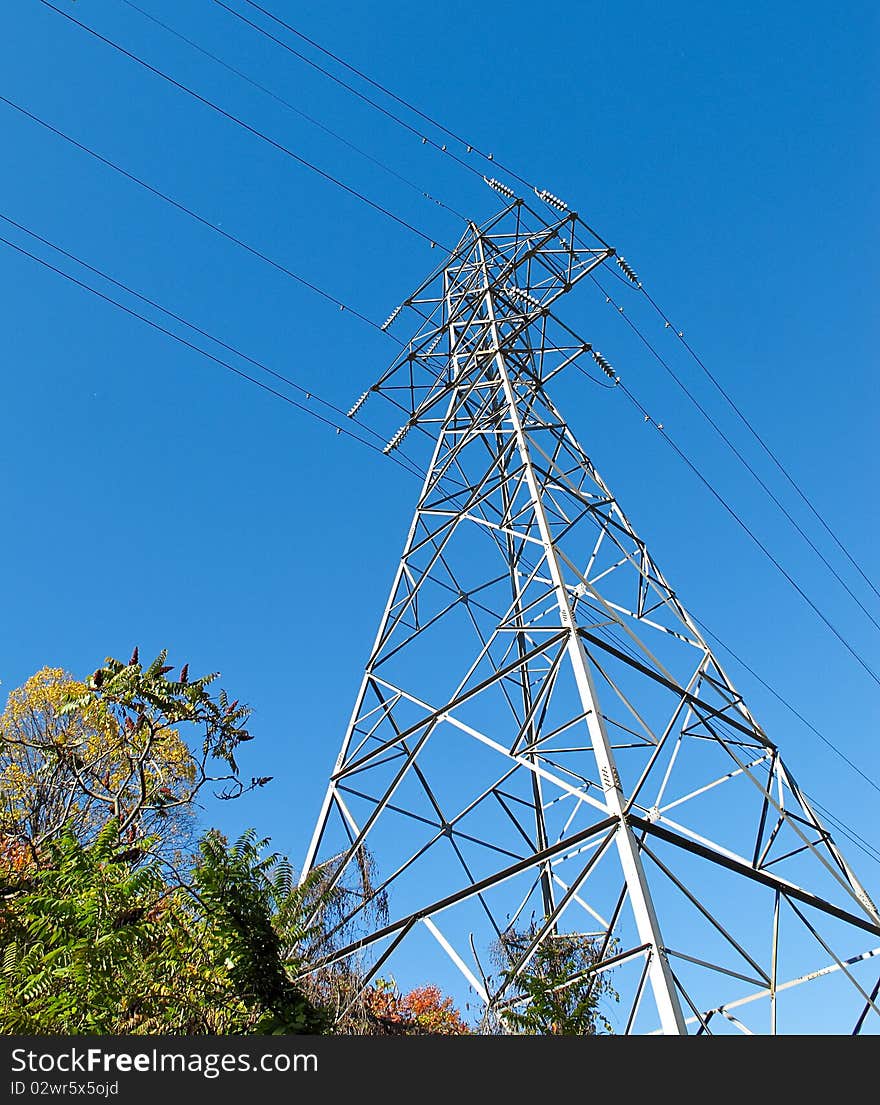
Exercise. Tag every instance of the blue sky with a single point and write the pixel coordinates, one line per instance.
(151, 497)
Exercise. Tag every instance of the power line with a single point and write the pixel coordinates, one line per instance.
(185, 322)
(424, 138)
(344, 84)
(792, 709)
(297, 111)
(848, 831)
(593, 379)
(247, 127)
(679, 334)
(198, 218)
(469, 146)
(634, 283)
(730, 445)
(745, 527)
(733, 513)
(197, 349)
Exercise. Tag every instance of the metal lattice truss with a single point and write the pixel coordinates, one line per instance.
(543, 739)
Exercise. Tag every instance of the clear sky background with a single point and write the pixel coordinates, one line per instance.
(149, 496)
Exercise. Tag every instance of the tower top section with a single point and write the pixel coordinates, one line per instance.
(530, 262)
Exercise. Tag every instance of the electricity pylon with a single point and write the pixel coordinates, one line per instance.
(543, 742)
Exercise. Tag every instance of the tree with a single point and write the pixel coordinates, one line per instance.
(104, 928)
(130, 744)
(100, 940)
(559, 991)
(108, 924)
(73, 937)
(433, 1014)
(421, 1012)
(252, 910)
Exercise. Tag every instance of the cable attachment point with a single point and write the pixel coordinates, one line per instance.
(388, 321)
(502, 189)
(628, 271)
(395, 442)
(357, 406)
(554, 201)
(526, 297)
(602, 363)
(435, 342)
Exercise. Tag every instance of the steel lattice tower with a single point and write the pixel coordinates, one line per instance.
(542, 733)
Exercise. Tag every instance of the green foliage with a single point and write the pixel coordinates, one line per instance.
(146, 700)
(98, 939)
(112, 921)
(560, 992)
(73, 938)
(256, 916)
(132, 744)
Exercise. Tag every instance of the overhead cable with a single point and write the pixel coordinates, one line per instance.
(736, 452)
(751, 534)
(469, 146)
(297, 111)
(341, 430)
(212, 226)
(307, 392)
(423, 138)
(244, 125)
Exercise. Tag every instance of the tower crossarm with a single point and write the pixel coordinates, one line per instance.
(530, 268)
